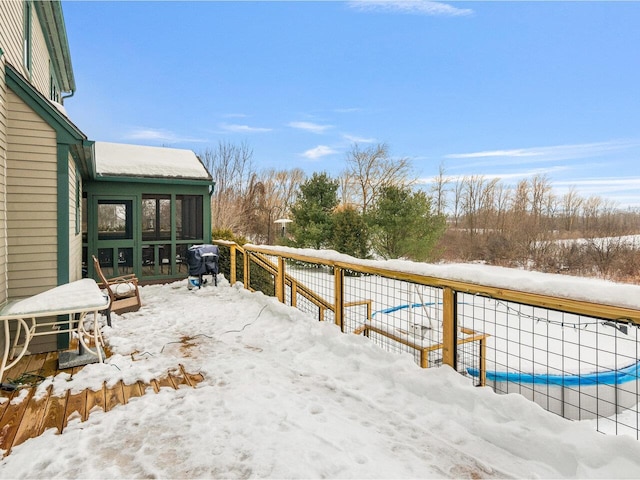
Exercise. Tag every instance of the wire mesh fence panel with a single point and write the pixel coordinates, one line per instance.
(224, 262)
(399, 316)
(261, 275)
(579, 367)
(240, 266)
(310, 288)
(582, 367)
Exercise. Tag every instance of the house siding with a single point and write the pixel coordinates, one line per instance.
(12, 33)
(31, 201)
(75, 239)
(3, 166)
(11, 42)
(40, 67)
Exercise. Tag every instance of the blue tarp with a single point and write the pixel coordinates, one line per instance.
(607, 377)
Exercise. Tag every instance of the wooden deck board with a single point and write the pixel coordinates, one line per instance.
(113, 396)
(95, 401)
(131, 391)
(75, 407)
(165, 382)
(11, 421)
(30, 417)
(54, 414)
(31, 420)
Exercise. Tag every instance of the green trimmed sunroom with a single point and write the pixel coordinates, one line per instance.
(143, 209)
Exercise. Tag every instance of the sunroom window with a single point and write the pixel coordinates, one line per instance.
(189, 217)
(156, 217)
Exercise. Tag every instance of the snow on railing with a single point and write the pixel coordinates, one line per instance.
(569, 344)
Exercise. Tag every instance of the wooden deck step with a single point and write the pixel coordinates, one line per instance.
(29, 418)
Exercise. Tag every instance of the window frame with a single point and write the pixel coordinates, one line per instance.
(27, 42)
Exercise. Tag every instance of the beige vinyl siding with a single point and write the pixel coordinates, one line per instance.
(31, 201)
(12, 33)
(75, 239)
(40, 69)
(3, 164)
(11, 42)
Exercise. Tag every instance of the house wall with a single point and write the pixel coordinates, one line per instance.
(31, 201)
(11, 42)
(75, 230)
(12, 33)
(3, 165)
(40, 67)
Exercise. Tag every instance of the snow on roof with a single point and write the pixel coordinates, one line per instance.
(122, 159)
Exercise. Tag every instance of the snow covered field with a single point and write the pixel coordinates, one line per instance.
(285, 396)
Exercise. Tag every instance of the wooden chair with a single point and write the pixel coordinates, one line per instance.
(123, 290)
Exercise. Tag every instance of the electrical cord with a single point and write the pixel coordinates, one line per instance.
(210, 337)
(27, 379)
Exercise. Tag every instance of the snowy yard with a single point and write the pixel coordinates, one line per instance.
(285, 396)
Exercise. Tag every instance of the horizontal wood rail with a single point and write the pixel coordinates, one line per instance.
(580, 307)
(263, 256)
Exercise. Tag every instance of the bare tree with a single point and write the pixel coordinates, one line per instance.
(571, 205)
(540, 192)
(457, 199)
(280, 189)
(232, 170)
(471, 200)
(502, 199)
(347, 189)
(439, 190)
(590, 209)
(372, 169)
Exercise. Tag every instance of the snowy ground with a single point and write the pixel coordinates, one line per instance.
(285, 396)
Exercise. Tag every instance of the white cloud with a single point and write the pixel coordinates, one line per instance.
(496, 153)
(235, 115)
(506, 178)
(412, 7)
(348, 110)
(310, 127)
(234, 128)
(603, 184)
(319, 152)
(159, 135)
(355, 139)
(547, 154)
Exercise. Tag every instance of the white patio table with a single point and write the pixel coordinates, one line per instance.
(67, 305)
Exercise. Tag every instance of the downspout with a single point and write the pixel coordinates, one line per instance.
(63, 97)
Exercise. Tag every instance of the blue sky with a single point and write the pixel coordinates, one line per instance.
(507, 89)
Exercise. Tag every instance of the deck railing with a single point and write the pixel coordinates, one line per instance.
(575, 358)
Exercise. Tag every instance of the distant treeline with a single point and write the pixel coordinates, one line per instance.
(486, 219)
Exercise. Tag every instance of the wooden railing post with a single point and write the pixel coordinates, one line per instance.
(338, 275)
(232, 273)
(449, 327)
(247, 282)
(294, 293)
(483, 361)
(280, 277)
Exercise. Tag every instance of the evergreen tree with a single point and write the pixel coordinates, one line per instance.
(350, 233)
(312, 213)
(403, 224)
